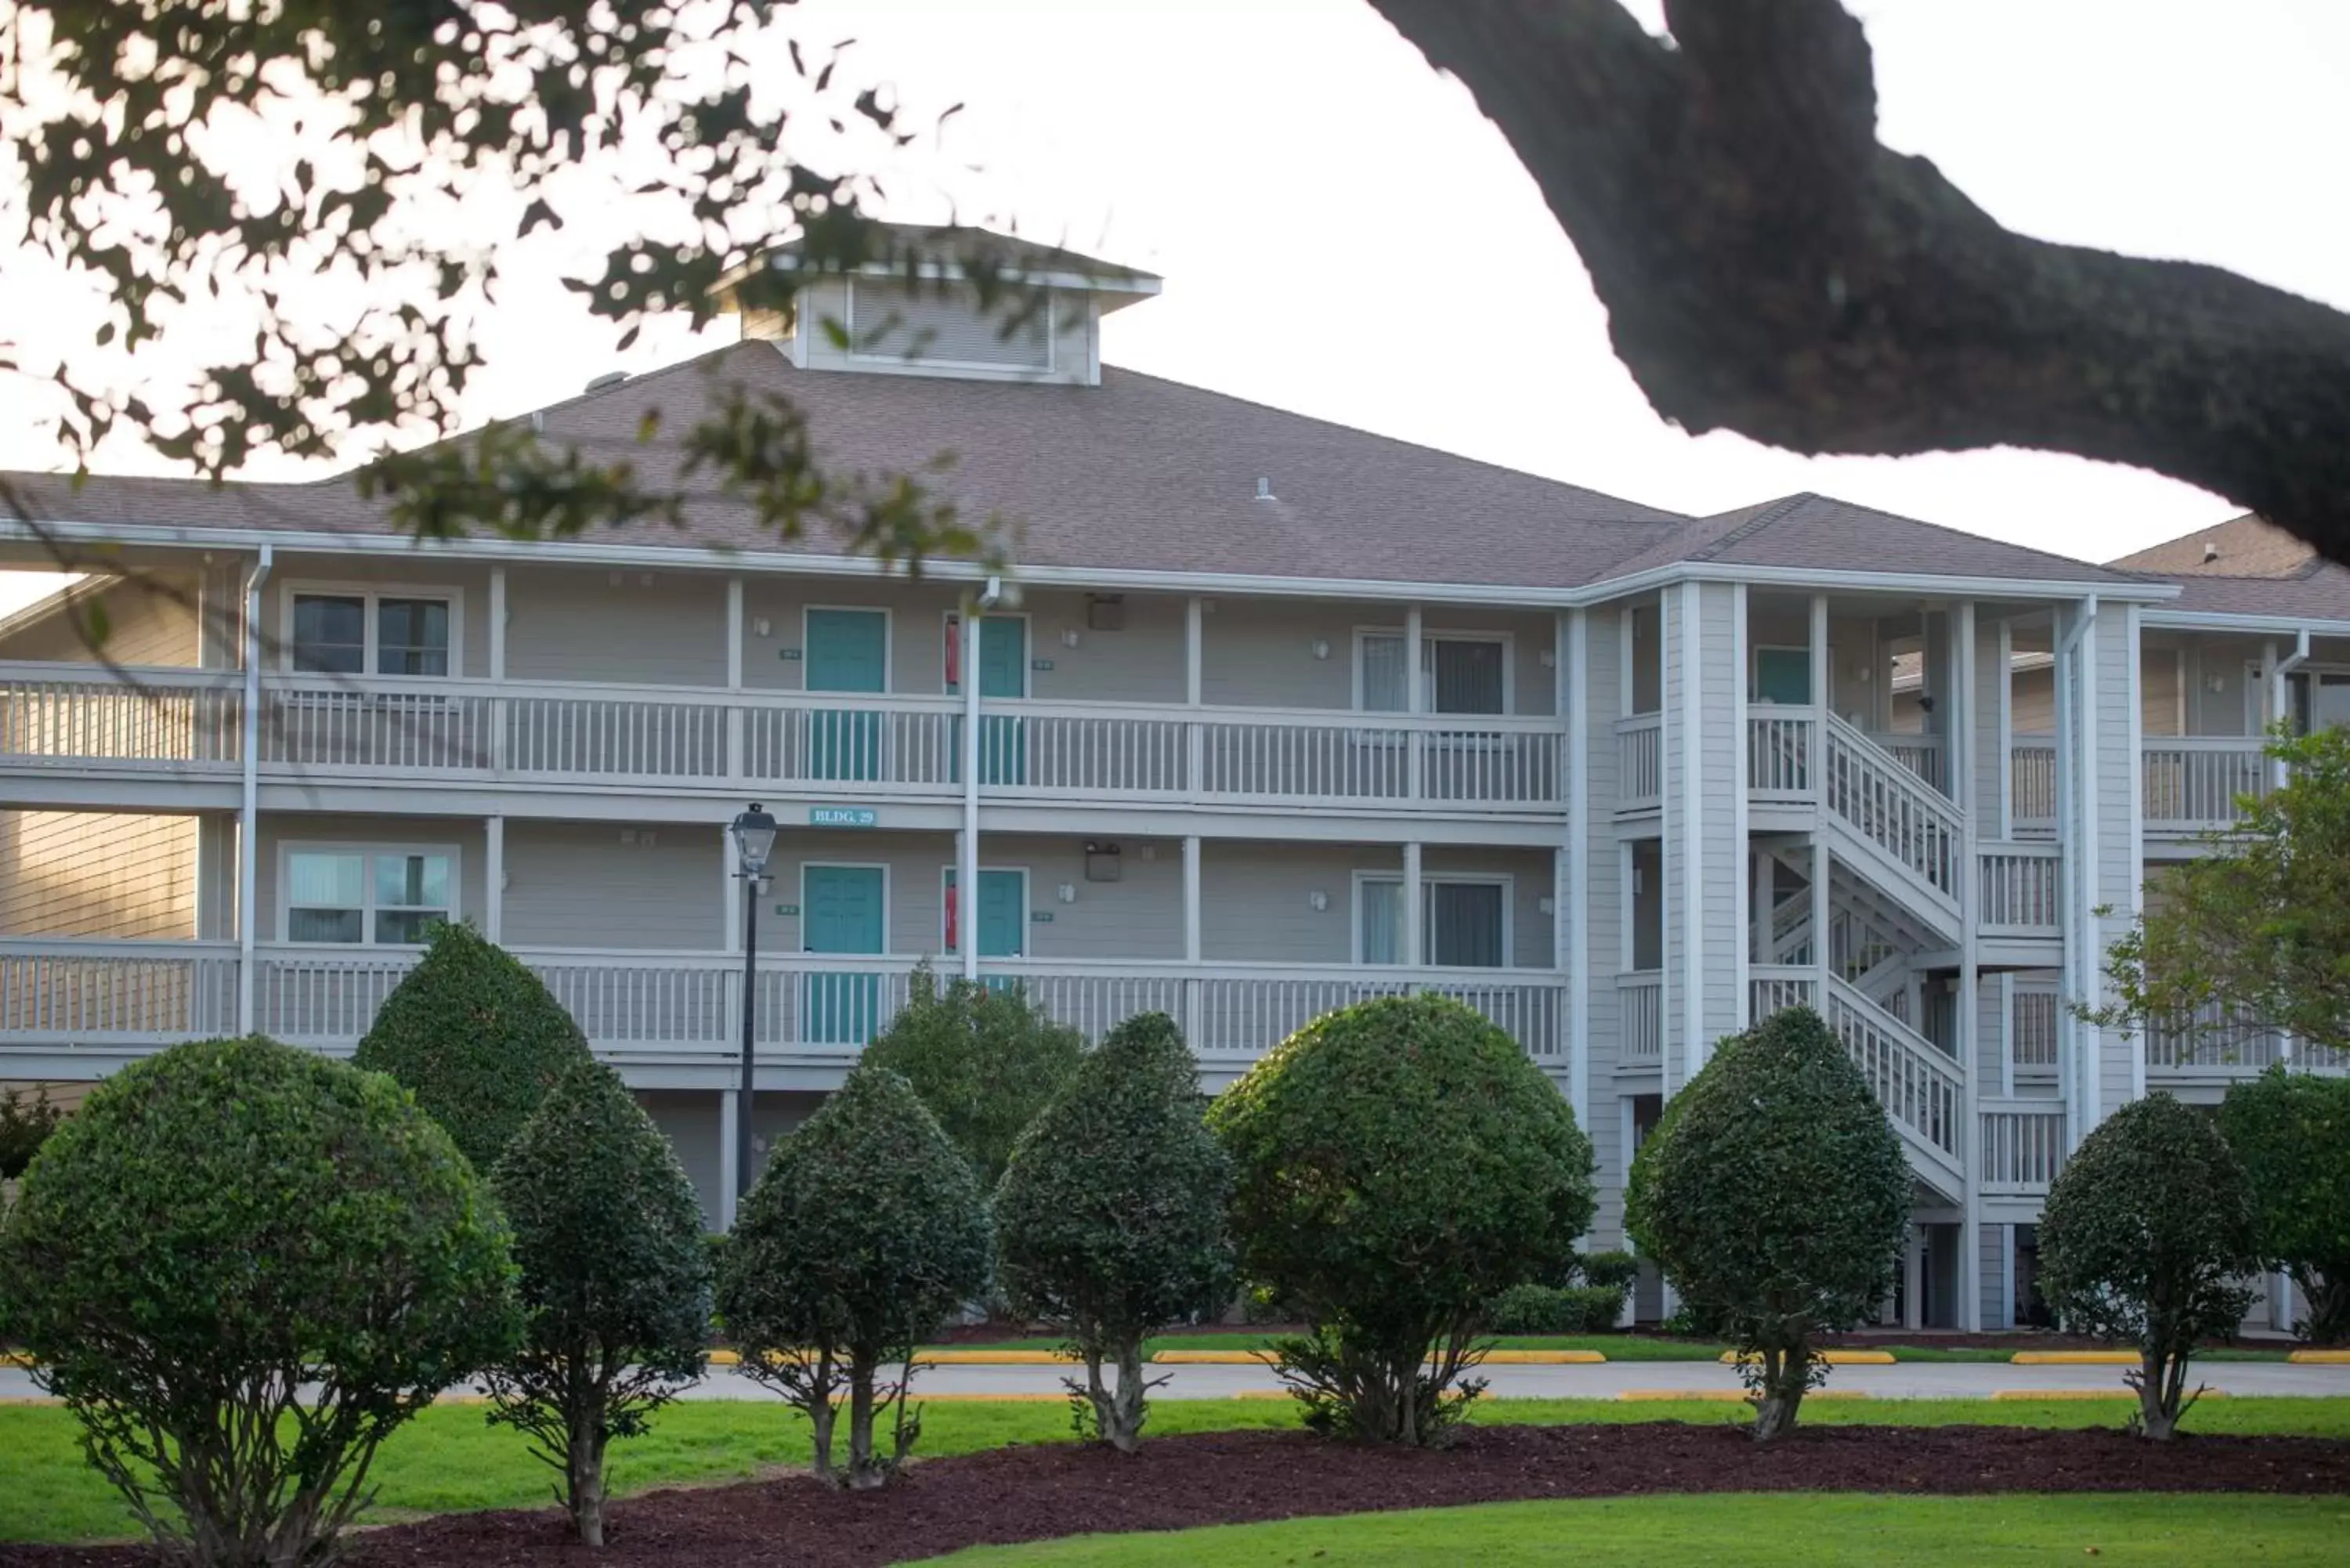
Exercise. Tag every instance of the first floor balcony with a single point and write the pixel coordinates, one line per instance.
(105, 1000)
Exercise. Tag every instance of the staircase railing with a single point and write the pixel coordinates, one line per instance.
(1920, 1088)
(1885, 804)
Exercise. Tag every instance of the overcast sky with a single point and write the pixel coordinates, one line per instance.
(1343, 234)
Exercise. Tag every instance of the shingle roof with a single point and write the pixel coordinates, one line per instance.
(2247, 566)
(1145, 474)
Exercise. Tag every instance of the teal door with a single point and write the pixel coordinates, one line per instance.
(842, 910)
(848, 650)
(1783, 675)
(1002, 916)
(1002, 672)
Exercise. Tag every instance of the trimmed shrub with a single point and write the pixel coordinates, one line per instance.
(615, 1280)
(863, 1233)
(1396, 1164)
(24, 1126)
(223, 1228)
(2292, 1131)
(983, 1058)
(2145, 1241)
(1613, 1271)
(475, 1037)
(1556, 1309)
(1110, 1218)
(1774, 1195)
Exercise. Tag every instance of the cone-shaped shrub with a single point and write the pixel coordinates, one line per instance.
(241, 1266)
(2147, 1239)
(984, 1058)
(475, 1037)
(615, 1280)
(2291, 1130)
(1110, 1219)
(864, 1232)
(1775, 1197)
(1397, 1165)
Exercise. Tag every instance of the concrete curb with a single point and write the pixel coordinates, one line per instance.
(2320, 1358)
(1264, 1358)
(1726, 1396)
(2074, 1358)
(1832, 1358)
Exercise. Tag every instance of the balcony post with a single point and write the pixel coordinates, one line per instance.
(735, 760)
(1415, 702)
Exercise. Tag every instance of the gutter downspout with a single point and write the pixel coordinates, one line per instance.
(248, 850)
(967, 873)
(2069, 840)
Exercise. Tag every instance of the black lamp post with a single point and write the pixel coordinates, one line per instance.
(755, 839)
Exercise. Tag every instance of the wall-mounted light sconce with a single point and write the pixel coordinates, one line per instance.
(1547, 906)
(1864, 675)
(762, 626)
(1066, 892)
(1318, 899)
(1549, 660)
(1069, 637)
(1321, 647)
(2215, 684)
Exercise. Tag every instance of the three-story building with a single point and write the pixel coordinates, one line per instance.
(1274, 715)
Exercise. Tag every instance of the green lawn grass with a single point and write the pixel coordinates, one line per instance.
(1777, 1530)
(448, 1459)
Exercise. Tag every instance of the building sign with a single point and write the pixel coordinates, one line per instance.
(841, 816)
(1040, 917)
(787, 910)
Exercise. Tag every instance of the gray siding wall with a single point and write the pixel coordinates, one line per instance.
(1990, 763)
(1259, 909)
(666, 628)
(1680, 822)
(95, 874)
(148, 621)
(279, 829)
(1259, 652)
(1702, 651)
(613, 885)
(774, 660)
(690, 1121)
(2226, 711)
(1991, 1243)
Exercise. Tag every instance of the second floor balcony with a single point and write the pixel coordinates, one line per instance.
(189, 723)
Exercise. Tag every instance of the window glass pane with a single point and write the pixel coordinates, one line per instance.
(322, 925)
(1385, 690)
(1465, 677)
(329, 634)
(411, 881)
(411, 637)
(1382, 932)
(406, 927)
(325, 880)
(1464, 924)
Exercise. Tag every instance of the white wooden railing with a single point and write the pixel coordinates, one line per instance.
(1776, 988)
(2021, 1147)
(1885, 804)
(650, 1003)
(101, 993)
(1920, 1088)
(54, 716)
(68, 716)
(2032, 1031)
(1781, 749)
(2032, 783)
(2021, 888)
(1921, 754)
(1640, 1001)
(2194, 783)
(1639, 761)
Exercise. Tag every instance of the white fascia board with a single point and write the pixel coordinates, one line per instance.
(2221, 620)
(713, 557)
(948, 272)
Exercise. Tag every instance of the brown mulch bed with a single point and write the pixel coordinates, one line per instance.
(1016, 1494)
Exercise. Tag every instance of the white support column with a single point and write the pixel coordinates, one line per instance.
(730, 891)
(1959, 743)
(1573, 920)
(1741, 840)
(493, 878)
(1193, 1017)
(730, 1109)
(1416, 703)
(1685, 646)
(497, 623)
(1822, 676)
(1194, 690)
(249, 822)
(1823, 869)
(737, 757)
(1413, 952)
(2006, 728)
(2137, 904)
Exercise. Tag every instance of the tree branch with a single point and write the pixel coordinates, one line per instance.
(1769, 268)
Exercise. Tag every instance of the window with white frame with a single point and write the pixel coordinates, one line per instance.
(380, 896)
(1464, 922)
(1459, 672)
(362, 632)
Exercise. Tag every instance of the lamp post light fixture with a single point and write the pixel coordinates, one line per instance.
(754, 840)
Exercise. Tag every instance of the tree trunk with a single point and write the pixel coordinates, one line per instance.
(586, 1476)
(822, 1415)
(1119, 1411)
(1786, 1375)
(2159, 1379)
(865, 1473)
